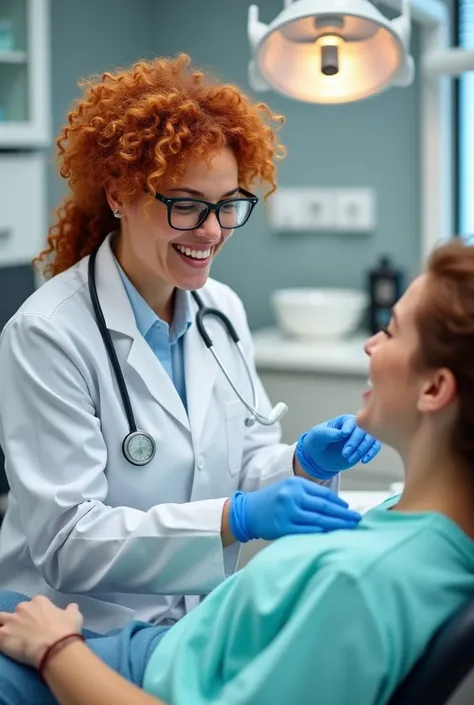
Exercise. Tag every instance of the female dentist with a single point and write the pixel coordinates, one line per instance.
(135, 470)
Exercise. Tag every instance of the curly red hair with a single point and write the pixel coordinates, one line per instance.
(138, 126)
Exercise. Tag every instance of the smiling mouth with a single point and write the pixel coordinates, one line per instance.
(367, 393)
(193, 253)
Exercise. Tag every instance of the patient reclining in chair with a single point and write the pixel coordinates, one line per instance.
(327, 619)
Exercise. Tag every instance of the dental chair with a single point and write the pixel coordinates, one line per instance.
(444, 674)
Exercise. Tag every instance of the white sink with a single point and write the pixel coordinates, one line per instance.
(315, 313)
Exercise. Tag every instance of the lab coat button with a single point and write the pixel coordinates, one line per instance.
(200, 462)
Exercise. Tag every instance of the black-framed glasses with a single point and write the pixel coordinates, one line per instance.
(186, 213)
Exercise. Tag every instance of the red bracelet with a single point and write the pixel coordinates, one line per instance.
(52, 648)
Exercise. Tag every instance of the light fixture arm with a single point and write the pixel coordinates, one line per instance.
(448, 62)
(402, 23)
(255, 31)
(255, 28)
(402, 26)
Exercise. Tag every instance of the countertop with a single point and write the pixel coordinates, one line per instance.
(363, 500)
(273, 351)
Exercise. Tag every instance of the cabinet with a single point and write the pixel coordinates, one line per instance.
(17, 283)
(23, 207)
(24, 74)
(24, 136)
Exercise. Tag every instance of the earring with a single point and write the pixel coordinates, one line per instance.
(117, 213)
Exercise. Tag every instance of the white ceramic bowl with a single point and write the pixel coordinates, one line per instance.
(312, 314)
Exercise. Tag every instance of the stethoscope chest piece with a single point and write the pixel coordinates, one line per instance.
(139, 448)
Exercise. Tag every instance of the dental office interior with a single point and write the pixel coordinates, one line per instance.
(378, 168)
(375, 172)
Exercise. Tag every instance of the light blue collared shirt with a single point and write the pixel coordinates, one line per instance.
(167, 342)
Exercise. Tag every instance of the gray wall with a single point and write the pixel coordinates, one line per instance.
(371, 143)
(87, 37)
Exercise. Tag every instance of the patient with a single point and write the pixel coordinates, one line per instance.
(329, 619)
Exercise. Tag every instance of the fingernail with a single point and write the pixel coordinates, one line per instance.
(366, 458)
(347, 451)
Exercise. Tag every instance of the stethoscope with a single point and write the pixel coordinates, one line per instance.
(139, 447)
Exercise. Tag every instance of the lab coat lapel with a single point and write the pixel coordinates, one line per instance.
(200, 371)
(121, 322)
(143, 360)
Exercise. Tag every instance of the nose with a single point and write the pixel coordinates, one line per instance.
(371, 343)
(210, 230)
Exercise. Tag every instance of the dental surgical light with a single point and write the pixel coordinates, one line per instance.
(330, 51)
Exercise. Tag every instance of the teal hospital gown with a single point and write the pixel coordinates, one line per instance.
(333, 619)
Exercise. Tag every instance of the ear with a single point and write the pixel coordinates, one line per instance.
(438, 391)
(112, 196)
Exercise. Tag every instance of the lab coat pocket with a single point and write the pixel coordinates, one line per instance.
(235, 429)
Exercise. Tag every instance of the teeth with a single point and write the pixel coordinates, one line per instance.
(369, 384)
(194, 254)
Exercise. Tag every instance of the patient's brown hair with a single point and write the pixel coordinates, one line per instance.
(445, 323)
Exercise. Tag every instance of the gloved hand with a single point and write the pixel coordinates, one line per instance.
(291, 506)
(333, 446)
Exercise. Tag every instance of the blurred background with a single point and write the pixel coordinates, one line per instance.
(352, 219)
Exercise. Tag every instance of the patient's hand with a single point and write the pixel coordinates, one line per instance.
(34, 626)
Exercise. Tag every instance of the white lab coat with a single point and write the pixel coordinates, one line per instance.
(82, 523)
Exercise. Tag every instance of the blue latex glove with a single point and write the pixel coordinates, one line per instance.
(291, 506)
(333, 446)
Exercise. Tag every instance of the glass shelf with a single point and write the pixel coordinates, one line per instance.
(13, 56)
(14, 65)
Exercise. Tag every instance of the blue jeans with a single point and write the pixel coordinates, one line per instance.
(126, 651)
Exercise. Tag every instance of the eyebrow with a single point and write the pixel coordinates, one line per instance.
(199, 194)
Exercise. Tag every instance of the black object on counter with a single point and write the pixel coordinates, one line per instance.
(385, 284)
